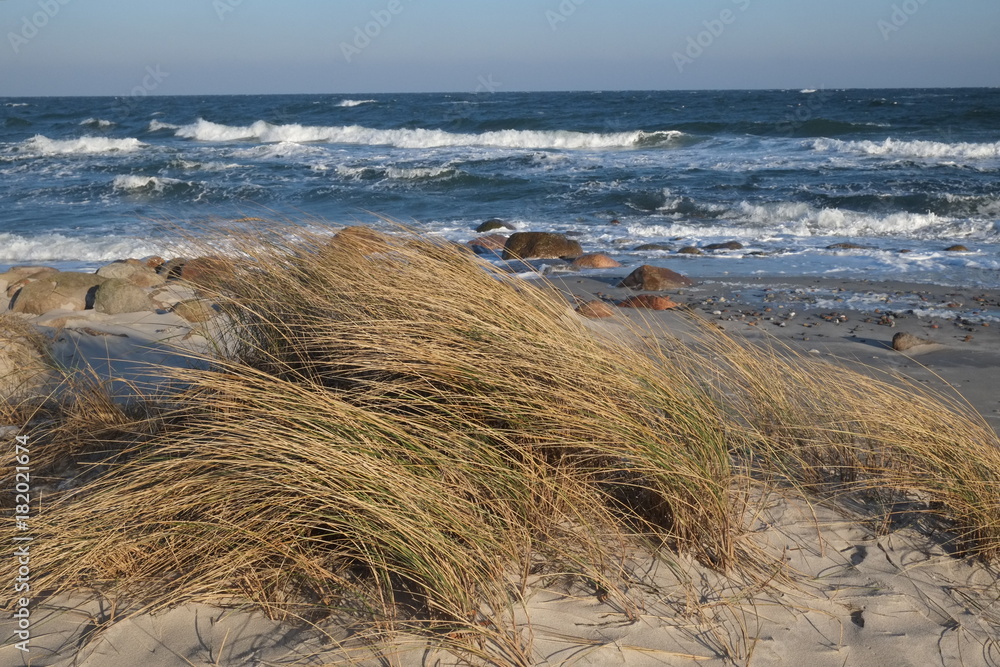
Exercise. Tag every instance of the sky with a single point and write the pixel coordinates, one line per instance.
(180, 47)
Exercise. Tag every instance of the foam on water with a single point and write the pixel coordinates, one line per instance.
(157, 125)
(17, 249)
(262, 131)
(155, 183)
(911, 149)
(40, 145)
(97, 122)
(354, 103)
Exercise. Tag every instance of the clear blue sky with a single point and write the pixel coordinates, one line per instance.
(111, 47)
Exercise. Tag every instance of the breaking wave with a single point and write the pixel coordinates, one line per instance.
(911, 149)
(40, 145)
(204, 130)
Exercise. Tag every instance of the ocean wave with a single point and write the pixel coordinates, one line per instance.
(204, 130)
(911, 149)
(148, 183)
(396, 173)
(156, 126)
(354, 103)
(15, 104)
(97, 122)
(17, 249)
(41, 145)
(778, 219)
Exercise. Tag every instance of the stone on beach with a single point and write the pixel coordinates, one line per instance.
(956, 248)
(67, 290)
(728, 245)
(494, 224)
(119, 295)
(595, 310)
(649, 302)
(136, 272)
(690, 250)
(655, 279)
(541, 245)
(902, 341)
(205, 271)
(594, 261)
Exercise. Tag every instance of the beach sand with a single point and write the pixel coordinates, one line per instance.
(840, 592)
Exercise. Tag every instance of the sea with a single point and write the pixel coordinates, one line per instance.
(790, 175)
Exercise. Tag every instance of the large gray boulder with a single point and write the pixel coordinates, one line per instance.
(134, 271)
(67, 290)
(118, 295)
(541, 245)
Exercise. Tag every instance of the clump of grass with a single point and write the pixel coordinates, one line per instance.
(905, 450)
(395, 430)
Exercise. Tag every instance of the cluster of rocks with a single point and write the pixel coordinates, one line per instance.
(548, 245)
(125, 286)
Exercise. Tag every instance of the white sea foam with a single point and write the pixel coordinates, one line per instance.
(808, 91)
(132, 182)
(41, 145)
(204, 130)
(911, 149)
(97, 122)
(354, 103)
(156, 126)
(17, 249)
(16, 104)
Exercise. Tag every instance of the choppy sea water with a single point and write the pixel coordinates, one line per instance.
(785, 173)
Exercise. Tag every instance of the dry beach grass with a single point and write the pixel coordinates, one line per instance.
(396, 435)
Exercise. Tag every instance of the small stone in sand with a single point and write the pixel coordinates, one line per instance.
(903, 341)
(655, 279)
(595, 310)
(594, 261)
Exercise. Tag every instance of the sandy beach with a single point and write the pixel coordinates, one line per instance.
(838, 591)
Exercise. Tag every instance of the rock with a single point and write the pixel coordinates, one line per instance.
(171, 268)
(195, 310)
(649, 247)
(956, 248)
(594, 261)
(23, 354)
(488, 243)
(134, 271)
(153, 262)
(18, 272)
(595, 310)
(68, 290)
(494, 224)
(648, 301)
(616, 221)
(207, 271)
(902, 342)
(118, 295)
(655, 279)
(541, 245)
(728, 245)
(849, 246)
(689, 250)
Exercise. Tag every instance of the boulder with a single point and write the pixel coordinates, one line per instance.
(655, 279)
(67, 290)
(118, 295)
(18, 272)
(594, 261)
(595, 310)
(956, 248)
(649, 301)
(207, 271)
(849, 246)
(654, 247)
(171, 268)
(728, 245)
(690, 250)
(494, 224)
(195, 310)
(902, 342)
(541, 245)
(134, 271)
(153, 262)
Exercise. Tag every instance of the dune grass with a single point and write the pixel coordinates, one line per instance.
(394, 431)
